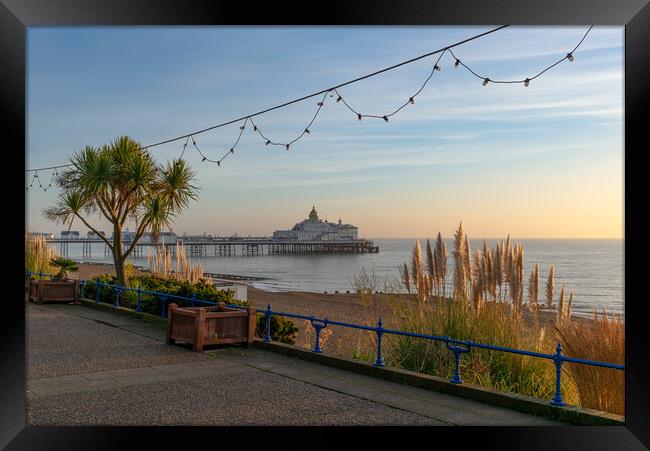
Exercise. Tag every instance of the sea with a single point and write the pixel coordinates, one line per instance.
(592, 268)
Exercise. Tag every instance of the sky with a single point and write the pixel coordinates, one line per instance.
(543, 161)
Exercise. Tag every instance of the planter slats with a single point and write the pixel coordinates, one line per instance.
(203, 326)
(51, 291)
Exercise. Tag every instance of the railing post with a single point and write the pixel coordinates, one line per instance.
(380, 332)
(97, 292)
(557, 400)
(456, 378)
(138, 307)
(118, 290)
(82, 284)
(267, 336)
(318, 328)
(193, 299)
(457, 350)
(163, 312)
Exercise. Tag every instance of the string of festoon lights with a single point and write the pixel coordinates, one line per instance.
(331, 92)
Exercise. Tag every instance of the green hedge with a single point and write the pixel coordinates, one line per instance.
(282, 329)
(152, 303)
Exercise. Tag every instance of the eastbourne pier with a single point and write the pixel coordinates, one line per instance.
(223, 246)
(312, 235)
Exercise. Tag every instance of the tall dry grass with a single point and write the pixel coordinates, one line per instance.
(160, 264)
(550, 286)
(602, 339)
(460, 265)
(440, 264)
(495, 323)
(533, 288)
(38, 255)
(486, 305)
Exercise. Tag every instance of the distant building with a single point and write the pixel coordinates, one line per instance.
(315, 229)
(147, 238)
(166, 237)
(127, 235)
(203, 237)
(92, 235)
(70, 235)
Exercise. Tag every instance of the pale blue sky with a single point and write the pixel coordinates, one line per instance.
(541, 161)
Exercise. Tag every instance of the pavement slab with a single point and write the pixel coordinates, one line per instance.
(92, 367)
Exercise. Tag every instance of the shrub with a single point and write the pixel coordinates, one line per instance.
(151, 303)
(64, 266)
(282, 329)
(106, 294)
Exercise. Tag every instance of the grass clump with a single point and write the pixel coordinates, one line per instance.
(495, 323)
(38, 256)
(602, 339)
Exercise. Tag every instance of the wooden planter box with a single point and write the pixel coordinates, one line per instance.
(44, 291)
(210, 325)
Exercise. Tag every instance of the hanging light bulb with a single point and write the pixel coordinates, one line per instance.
(438, 68)
(457, 63)
(338, 99)
(569, 56)
(320, 103)
(412, 100)
(219, 163)
(232, 150)
(268, 141)
(193, 142)
(307, 131)
(526, 81)
(242, 127)
(385, 118)
(254, 128)
(359, 116)
(287, 146)
(201, 160)
(485, 82)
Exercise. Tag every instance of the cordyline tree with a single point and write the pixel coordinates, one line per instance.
(121, 182)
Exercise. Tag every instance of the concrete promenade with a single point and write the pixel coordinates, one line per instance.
(86, 366)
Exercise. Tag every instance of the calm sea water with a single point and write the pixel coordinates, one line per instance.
(593, 269)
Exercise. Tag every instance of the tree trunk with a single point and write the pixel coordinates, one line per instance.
(118, 261)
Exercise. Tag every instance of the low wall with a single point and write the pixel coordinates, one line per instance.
(522, 403)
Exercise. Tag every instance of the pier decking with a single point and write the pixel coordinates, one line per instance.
(230, 247)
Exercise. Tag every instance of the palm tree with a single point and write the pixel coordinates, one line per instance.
(121, 182)
(65, 265)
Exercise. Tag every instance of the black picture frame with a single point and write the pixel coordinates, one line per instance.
(16, 15)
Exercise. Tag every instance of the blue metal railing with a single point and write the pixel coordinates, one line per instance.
(458, 347)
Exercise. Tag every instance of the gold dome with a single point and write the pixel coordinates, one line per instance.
(313, 214)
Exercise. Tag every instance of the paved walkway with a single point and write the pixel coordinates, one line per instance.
(92, 367)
